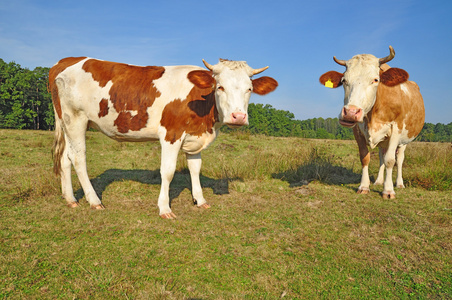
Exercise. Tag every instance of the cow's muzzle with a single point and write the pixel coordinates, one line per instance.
(350, 116)
(237, 119)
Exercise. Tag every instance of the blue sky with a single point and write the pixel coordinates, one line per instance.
(297, 39)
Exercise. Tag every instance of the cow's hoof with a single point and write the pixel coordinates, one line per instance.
(388, 195)
(400, 186)
(363, 191)
(205, 205)
(170, 216)
(73, 204)
(97, 206)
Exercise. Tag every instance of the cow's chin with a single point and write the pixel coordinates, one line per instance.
(232, 125)
(347, 123)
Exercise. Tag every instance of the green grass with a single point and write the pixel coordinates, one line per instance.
(285, 222)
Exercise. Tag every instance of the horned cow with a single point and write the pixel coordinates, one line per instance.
(385, 109)
(183, 107)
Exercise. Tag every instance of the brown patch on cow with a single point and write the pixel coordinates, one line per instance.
(103, 108)
(394, 105)
(195, 115)
(334, 76)
(394, 76)
(53, 73)
(133, 89)
(264, 85)
(415, 121)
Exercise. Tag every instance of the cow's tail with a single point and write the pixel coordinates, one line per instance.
(59, 144)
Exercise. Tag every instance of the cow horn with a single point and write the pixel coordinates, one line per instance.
(339, 61)
(257, 71)
(389, 57)
(208, 66)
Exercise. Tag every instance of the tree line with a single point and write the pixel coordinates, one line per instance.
(25, 103)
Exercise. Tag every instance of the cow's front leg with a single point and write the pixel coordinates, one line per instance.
(381, 169)
(389, 159)
(167, 169)
(365, 159)
(194, 165)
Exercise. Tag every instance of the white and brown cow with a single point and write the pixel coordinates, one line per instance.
(181, 106)
(386, 108)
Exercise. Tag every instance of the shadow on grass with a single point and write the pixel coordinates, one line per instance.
(180, 181)
(321, 169)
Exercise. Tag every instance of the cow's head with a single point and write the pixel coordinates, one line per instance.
(360, 80)
(232, 84)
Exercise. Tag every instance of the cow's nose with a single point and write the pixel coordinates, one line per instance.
(238, 118)
(352, 113)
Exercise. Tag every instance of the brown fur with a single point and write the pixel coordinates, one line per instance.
(195, 115)
(133, 89)
(264, 85)
(394, 76)
(334, 76)
(53, 73)
(103, 108)
(393, 105)
(202, 79)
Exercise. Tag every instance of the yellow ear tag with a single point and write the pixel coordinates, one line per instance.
(329, 84)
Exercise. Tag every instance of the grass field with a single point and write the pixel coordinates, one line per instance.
(285, 222)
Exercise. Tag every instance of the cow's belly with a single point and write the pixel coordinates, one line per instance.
(110, 127)
(380, 136)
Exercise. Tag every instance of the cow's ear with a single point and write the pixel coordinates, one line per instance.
(394, 76)
(331, 79)
(264, 85)
(202, 79)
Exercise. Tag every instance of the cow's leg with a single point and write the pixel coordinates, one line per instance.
(66, 178)
(62, 164)
(400, 157)
(167, 169)
(389, 159)
(194, 165)
(365, 159)
(381, 170)
(75, 130)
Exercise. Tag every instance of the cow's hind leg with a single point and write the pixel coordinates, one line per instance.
(400, 157)
(75, 130)
(62, 164)
(66, 180)
(194, 165)
(167, 169)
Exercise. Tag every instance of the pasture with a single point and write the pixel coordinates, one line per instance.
(285, 222)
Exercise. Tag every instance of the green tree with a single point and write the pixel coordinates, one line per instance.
(25, 102)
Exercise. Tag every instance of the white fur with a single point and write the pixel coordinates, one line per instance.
(360, 89)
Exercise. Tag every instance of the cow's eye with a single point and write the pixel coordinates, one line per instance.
(376, 80)
(343, 80)
(220, 88)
